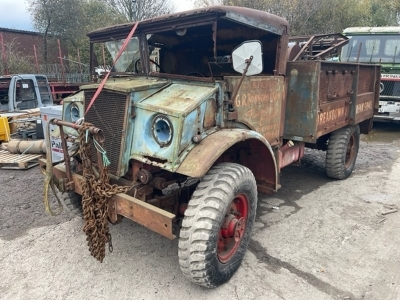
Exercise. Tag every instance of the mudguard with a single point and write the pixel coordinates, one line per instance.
(261, 161)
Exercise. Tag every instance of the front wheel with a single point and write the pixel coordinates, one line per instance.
(73, 202)
(342, 152)
(217, 225)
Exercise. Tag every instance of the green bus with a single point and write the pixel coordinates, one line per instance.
(378, 45)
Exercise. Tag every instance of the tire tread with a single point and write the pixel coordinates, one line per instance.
(336, 152)
(199, 224)
(73, 202)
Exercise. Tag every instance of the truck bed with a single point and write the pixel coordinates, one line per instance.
(324, 96)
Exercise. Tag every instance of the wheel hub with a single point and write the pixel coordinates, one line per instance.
(233, 228)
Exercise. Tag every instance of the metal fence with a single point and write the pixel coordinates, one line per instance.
(69, 73)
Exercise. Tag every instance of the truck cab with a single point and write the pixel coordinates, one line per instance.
(378, 45)
(23, 92)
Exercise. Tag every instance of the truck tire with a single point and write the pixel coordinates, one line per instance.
(217, 225)
(73, 202)
(342, 152)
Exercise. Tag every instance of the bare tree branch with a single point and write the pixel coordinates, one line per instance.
(137, 10)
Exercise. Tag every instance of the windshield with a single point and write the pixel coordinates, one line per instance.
(376, 48)
(45, 94)
(131, 53)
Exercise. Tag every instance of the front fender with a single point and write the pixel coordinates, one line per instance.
(260, 159)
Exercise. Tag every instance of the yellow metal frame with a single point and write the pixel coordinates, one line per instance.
(4, 129)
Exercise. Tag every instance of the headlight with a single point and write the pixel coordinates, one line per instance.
(74, 112)
(162, 130)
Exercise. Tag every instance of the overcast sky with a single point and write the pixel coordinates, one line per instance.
(14, 14)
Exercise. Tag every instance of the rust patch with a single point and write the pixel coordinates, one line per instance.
(138, 211)
(210, 113)
(145, 214)
(332, 113)
(235, 145)
(259, 104)
(364, 107)
(327, 96)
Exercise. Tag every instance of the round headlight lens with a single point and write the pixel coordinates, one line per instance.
(74, 112)
(162, 130)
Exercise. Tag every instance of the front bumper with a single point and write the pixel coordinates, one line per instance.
(125, 205)
(387, 118)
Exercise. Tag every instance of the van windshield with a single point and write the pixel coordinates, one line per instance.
(376, 48)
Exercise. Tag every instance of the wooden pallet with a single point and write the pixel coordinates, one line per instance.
(18, 161)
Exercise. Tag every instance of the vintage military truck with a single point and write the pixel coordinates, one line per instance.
(184, 149)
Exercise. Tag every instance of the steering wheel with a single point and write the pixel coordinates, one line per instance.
(195, 74)
(139, 69)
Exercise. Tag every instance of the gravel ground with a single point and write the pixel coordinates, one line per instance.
(315, 239)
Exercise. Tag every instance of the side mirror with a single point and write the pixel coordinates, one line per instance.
(247, 58)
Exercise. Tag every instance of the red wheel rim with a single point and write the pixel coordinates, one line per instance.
(233, 228)
(350, 151)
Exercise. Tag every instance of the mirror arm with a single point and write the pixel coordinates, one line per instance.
(232, 113)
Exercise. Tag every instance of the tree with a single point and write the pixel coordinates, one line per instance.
(137, 10)
(71, 20)
(55, 17)
(384, 13)
(204, 3)
(255, 4)
(308, 17)
(98, 13)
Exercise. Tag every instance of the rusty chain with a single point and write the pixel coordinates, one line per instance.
(95, 195)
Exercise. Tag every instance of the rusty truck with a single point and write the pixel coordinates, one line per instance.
(200, 114)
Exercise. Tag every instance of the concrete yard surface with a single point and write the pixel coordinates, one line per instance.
(316, 238)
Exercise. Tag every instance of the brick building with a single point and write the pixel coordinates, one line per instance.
(22, 43)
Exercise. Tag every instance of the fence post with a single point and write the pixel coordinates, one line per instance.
(36, 59)
(3, 54)
(61, 61)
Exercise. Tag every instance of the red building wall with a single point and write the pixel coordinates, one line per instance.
(23, 42)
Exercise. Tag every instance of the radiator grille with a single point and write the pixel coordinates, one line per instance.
(390, 88)
(108, 113)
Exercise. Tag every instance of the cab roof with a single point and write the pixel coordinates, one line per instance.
(372, 30)
(196, 17)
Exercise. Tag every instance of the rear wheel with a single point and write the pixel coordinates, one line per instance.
(217, 225)
(342, 152)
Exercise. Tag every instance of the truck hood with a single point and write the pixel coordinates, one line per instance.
(177, 99)
(129, 84)
(185, 109)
